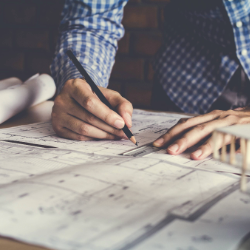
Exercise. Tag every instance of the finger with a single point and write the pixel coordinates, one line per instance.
(198, 133)
(207, 148)
(125, 109)
(120, 104)
(84, 129)
(238, 109)
(185, 124)
(68, 134)
(85, 97)
(74, 109)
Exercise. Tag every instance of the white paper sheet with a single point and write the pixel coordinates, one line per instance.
(109, 201)
(225, 226)
(104, 205)
(17, 98)
(18, 162)
(147, 126)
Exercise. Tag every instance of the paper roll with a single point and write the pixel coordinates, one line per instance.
(35, 90)
(9, 82)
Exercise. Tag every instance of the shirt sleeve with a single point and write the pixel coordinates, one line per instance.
(91, 29)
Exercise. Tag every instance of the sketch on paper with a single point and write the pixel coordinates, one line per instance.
(94, 198)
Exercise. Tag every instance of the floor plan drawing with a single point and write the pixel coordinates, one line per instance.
(86, 195)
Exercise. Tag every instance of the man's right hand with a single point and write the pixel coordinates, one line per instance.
(79, 114)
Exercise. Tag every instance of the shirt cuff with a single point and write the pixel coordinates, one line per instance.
(72, 72)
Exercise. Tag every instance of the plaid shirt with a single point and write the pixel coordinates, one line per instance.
(203, 46)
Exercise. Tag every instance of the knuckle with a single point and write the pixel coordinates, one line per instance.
(200, 127)
(81, 138)
(107, 117)
(183, 120)
(57, 129)
(225, 114)
(116, 94)
(129, 103)
(88, 102)
(183, 140)
(126, 103)
(232, 117)
(84, 129)
(216, 112)
(75, 82)
(169, 134)
(76, 86)
(90, 119)
(58, 102)
(109, 136)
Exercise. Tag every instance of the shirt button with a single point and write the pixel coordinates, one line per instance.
(239, 24)
(244, 52)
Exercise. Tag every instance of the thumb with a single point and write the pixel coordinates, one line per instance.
(125, 110)
(123, 107)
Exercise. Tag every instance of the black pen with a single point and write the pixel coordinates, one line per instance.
(97, 91)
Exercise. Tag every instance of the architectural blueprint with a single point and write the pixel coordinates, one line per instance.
(72, 195)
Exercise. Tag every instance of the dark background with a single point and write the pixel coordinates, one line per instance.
(29, 30)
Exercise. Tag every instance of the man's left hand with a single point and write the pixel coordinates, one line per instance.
(190, 131)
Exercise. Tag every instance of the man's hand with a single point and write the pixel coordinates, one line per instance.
(80, 115)
(188, 132)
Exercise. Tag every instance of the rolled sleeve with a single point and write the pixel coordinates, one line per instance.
(90, 29)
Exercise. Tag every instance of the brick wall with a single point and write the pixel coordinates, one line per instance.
(28, 31)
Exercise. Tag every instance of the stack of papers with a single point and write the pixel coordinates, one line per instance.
(72, 195)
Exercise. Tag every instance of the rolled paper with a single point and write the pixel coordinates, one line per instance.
(9, 82)
(35, 90)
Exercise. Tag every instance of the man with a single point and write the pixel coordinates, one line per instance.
(203, 65)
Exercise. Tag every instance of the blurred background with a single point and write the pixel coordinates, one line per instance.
(29, 30)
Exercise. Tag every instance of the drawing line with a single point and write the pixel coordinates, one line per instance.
(29, 144)
(171, 217)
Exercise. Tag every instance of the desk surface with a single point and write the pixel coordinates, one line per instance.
(38, 113)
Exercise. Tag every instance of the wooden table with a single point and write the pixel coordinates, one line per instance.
(38, 113)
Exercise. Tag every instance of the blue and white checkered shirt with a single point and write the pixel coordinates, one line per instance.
(203, 47)
(91, 29)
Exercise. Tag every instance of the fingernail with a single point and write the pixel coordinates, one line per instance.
(128, 119)
(119, 124)
(197, 153)
(173, 147)
(159, 142)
